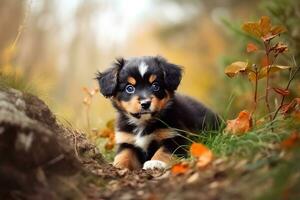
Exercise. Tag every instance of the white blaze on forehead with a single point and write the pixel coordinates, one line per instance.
(143, 67)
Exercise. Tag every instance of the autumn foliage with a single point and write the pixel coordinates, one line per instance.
(202, 155)
(265, 32)
(241, 124)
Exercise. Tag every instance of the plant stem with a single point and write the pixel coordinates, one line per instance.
(287, 87)
(255, 89)
(88, 118)
(268, 78)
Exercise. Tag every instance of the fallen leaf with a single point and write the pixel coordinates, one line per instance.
(283, 92)
(237, 67)
(251, 47)
(179, 168)
(291, 141)
(203, 155)
(241, 124)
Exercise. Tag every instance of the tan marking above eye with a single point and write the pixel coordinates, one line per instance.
(152, 78)
(131, 80)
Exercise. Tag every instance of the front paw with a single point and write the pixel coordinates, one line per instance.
(155, 164)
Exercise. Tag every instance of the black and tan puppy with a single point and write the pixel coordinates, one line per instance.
(143, 92)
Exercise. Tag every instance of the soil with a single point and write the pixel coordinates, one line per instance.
(41, 159)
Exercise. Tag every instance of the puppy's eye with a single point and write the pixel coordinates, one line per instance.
(155, 87)
(129, 89)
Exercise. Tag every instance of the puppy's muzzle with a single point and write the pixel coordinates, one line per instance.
(145, 104)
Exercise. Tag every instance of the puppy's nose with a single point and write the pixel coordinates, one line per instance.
(145, 104)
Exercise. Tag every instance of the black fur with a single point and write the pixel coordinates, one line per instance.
(108, 80)
(181, 112)
(172, 73)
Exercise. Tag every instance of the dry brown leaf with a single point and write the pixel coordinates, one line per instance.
(272, 69)
(279, 48)
(241, 124)
(292, 108)
(236, 67)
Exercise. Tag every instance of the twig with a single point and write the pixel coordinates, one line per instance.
(75, 144)
(22, 26)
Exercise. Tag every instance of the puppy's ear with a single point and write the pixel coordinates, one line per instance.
(108, 80)
(172, 73)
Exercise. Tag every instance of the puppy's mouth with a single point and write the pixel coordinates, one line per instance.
(143, 112)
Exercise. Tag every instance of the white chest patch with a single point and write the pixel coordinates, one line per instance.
(143, 67)
(143, 141)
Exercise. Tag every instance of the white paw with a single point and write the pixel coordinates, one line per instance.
(155, 164)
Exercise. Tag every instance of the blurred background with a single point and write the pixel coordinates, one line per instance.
(53, 48)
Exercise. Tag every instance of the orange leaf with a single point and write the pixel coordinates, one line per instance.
(251, 47)
(202, 153)
(291, 141)
(283, 92)
(263, 29)
(241, 124)
(265, 25)
(198, 149)
(109, 145)
(179, 168)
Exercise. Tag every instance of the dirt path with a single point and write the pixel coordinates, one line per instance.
(41, 159)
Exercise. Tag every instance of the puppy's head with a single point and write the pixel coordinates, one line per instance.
(140, 87)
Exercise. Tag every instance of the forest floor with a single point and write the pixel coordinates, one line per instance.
(41, 159)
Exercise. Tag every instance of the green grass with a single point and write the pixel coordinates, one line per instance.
(18, 83)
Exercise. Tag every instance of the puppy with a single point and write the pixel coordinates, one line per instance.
(149, 113)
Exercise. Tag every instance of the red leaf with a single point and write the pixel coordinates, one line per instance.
(291, 107)
(291, 141)
(251, 47)
(283, 92)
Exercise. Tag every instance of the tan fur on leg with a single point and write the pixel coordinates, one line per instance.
(162, 155)
(127, 159)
